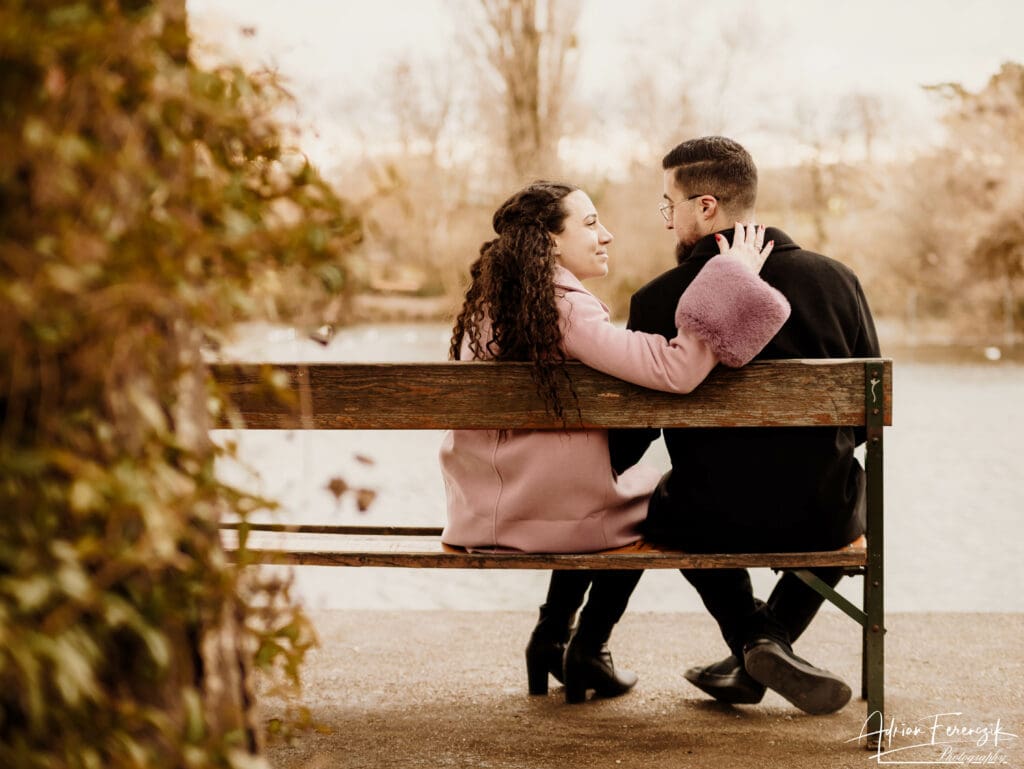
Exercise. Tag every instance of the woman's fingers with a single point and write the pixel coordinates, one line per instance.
(764, 253)
(739, 235)
(747, 245)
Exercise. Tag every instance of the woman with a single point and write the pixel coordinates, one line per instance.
(551, 491)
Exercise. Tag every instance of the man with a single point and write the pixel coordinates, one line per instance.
(799, 489)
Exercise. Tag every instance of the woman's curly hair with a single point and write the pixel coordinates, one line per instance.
(510, 313)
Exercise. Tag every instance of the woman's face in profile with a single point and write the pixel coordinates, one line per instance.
(582, 245)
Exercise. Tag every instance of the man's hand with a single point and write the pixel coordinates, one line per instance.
(747, 246)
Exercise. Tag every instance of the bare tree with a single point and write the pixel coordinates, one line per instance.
(955, 210)
(420, 100)
(419, 176)
(987, 127)
(527, 49)
(722, 58)
(862, 115)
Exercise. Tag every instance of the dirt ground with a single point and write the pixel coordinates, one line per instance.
(448, 689)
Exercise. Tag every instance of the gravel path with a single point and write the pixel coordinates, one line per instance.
(447, 689)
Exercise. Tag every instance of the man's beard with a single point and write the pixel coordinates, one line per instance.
(683, 251)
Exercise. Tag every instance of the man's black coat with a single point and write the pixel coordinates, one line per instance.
(761, 489)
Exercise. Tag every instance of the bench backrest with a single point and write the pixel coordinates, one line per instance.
(402, 396)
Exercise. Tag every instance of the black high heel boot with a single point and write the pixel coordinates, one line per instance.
(546, 649)
(588, 665)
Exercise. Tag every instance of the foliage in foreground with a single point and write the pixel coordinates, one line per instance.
(142, 199)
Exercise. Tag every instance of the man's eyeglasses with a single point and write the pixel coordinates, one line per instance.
(667, 209)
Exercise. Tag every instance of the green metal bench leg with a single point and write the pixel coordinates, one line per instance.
(864, 655)
(873, 653)
(872, 641)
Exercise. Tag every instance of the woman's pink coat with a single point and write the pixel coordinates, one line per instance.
(554, 491)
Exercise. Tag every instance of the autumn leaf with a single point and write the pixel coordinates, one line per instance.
(337, 487)
(364, 498)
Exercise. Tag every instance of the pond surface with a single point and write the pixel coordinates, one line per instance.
(954, 495)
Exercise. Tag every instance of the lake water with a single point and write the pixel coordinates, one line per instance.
(954, 495)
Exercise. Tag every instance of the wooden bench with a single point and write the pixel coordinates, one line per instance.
(435, 396)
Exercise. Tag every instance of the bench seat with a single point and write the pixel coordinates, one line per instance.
(420, 547)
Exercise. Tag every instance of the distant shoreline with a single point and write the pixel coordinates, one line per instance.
(384, 308)
(931, 335)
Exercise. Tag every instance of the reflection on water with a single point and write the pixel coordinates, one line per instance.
(954, 485)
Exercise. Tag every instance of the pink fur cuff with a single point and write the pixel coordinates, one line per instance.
(732, 310)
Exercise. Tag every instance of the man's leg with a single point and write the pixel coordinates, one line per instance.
(794, 604)
(729, 598)
(760, 645)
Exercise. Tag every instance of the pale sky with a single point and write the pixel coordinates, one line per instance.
(802, 55)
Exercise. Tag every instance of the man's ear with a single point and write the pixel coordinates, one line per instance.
(709, 207)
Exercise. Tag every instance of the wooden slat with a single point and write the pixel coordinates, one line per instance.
(380, 396)
(429, 552)
(308, 528)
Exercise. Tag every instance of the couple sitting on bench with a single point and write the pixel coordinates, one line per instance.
(739, 291)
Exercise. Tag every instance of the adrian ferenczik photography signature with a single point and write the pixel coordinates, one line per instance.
(942, 738)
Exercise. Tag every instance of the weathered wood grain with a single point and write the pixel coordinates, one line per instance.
(381, 396)
(418, 551)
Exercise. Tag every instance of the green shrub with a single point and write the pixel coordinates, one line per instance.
(144, 202)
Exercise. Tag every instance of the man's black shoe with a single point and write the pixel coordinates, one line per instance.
(727, 681)
(811, 689)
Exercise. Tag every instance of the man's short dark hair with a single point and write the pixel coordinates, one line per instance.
(715, 165)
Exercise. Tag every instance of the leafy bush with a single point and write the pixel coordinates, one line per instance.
(144, 201)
